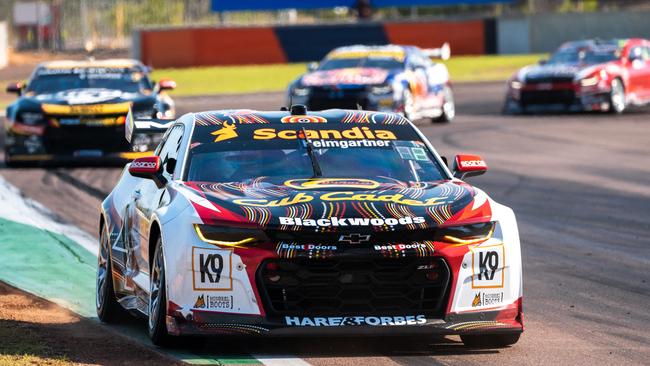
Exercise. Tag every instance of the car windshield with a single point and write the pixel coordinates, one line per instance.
(280, 151)
(344, 63)
(48, 81)
(585, 55)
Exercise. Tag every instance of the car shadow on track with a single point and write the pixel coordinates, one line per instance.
(319, 347)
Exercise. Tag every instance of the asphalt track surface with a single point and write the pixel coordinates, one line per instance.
(580, 187)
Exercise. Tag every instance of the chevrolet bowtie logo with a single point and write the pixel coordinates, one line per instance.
(354, 238)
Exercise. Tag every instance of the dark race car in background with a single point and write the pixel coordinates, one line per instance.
(391, 78)
(75, 111)
(588, 75)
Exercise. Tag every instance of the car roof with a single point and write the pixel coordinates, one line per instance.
(588, 43)
(108, 63)
(397, 51)
(330, 116)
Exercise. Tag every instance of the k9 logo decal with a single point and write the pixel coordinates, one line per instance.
(488, 263)
(212, 269)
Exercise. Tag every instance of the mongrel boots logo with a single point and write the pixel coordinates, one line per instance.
(351, 221)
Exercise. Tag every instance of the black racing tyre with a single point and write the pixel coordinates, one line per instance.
(158, 300)
(108, 309)
(448, 107)
(617, 102)
(490, 340)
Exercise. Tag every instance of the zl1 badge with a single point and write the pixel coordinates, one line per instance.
(212, 269)
(488, 266)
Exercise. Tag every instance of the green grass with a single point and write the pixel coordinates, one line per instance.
(488, 68)
(231, 79)
(268, 78)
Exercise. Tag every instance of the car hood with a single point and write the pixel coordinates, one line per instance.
(88, 96)
(338, 204)
(348, 76)
(551, 71)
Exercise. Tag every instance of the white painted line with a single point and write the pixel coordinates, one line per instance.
(24, 210)
(281, 360)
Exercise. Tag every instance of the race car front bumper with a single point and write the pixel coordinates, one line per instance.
(556, 98)
(508, 319)
(41, 150)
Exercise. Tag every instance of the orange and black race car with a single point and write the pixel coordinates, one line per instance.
(74, 111)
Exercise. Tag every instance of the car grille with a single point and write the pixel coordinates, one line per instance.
(549, 79)
(531, 97)
(326, 98)
(354, 286)
(66, 139)
(372, 237)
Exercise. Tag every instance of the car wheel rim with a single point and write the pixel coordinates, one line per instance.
(154, 291)
(618, 96)
(102, 271)
(408, 104)
(449, 107)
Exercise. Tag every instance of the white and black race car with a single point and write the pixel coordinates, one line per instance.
(295, 223)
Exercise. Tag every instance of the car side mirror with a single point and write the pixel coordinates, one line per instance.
(166, 84)
(468, 166)
(312, 66)
(148, 167)
(16, 87)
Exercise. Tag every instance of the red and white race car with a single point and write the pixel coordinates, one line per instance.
(296, 223)
(589, 75)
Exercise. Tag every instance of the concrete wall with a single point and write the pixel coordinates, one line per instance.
(4, 45)
(204, 46)
(544, 33)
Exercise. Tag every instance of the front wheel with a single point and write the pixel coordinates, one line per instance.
(158, 300)
(489, 340)
(617, 97)
(108, 309)
(448, 107)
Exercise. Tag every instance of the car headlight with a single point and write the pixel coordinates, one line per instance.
(31, 118)
(300, 91)
(466, 234)
(589, 81)
(381, 89)
(230, 236)
(514, 84)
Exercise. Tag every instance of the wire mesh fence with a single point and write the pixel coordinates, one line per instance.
(107, 24)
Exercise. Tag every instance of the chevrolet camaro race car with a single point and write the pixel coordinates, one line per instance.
(75, 111)
(589, 75)
(389, 78)
(340, 222)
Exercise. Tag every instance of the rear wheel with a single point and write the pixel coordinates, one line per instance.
(489, 340)
(108, 309)
(158, 300)
(617, 97)
(448, 107)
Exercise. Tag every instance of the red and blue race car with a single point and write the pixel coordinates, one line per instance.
(588, 75)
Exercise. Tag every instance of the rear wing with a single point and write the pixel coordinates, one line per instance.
(148, 126)
(443, 53)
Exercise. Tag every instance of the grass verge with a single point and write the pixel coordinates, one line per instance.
(270, 78)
